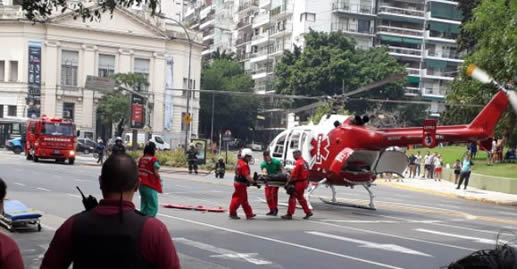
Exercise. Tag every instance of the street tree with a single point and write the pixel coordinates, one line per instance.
(492, 35)
(330, 65)
(41, 10)
(236, 112)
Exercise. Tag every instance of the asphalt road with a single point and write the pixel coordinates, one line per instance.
(408, 229)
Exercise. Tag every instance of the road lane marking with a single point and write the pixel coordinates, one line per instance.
(280, 242)
(366, 244)
(190, 192)
(42, 189)
(392, 235)
(19, 184)
(475, 239)
(360, 221)
(74, 195)
(507, 213)
(223, 253)
(183, 186)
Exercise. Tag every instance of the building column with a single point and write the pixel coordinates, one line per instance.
(89, 65)
(158, 78)
(50, 76)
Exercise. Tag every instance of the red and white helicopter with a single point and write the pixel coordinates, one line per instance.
(351, 153)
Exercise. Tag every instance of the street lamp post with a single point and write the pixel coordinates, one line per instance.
(189, 84)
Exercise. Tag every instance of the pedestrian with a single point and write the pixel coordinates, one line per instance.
(493, 152)
(113, 234)
(299, 177)
(242, 180)
(466, 169)
(118, 147)
(220, 168)
(271, 167)
(427, 165)
(10, 256)
(432, 165)
(457, 170)
(100, 151)
(438, 168)
(192, 159)
(412, 166)
(418, 162)
(473, 150)
(150, 181)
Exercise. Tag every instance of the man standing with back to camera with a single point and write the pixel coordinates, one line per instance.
(271, 167)
(113, 234)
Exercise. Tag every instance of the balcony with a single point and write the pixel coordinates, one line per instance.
(11, 12)
(281, 30)
(247, 5)
(206, 23)
(443, 55)
(281, 11)
(395, 11)
(406, 52)
(264, 3)
(263, 88)
(412, 91)
(346, 7)
(447, 18)
(242, 41)
(400, 31)
(243, 24)
(259, 39)
(244, 56)
(434, 93)
(346, 28)
(414, 72)
(261, 72)
(441, 37)
(259, 56)
(439, 74)
(260, 20)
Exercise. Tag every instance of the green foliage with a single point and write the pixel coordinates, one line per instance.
(466, 40)
(40, 10)
(114, 106)
(326, 109)
(235, 112)
(177, 158)
(130, 80)
(330, 65)
(493, 32)
(218, 55)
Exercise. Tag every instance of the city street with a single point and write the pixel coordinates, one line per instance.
(408, 229)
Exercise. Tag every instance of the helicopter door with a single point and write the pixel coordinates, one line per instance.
(278, 147)
(293, 143)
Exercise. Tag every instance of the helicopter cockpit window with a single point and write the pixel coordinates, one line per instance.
(303, 140)
(295, 141)
(279, 147)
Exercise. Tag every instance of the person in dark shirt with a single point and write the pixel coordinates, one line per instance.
(192, 159)
(10, 256)
(118, 147)
(220, 168)
(412, 166)
(113, 234)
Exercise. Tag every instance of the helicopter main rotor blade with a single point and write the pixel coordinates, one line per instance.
(375, 84)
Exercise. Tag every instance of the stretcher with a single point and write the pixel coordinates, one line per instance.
(17, 216)
(196, 208)
(279, 180)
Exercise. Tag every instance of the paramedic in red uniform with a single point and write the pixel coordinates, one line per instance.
(150, 182)
(242, 180)
(300, 178)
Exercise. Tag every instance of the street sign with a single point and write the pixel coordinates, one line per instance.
(137, 111)
(99, 83)
(227, 137)
(187, 118)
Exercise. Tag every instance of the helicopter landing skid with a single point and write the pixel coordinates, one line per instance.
(330, 202)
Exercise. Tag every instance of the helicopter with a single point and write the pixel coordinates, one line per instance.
(345, 151)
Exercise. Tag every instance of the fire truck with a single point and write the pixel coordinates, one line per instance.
(50, 138)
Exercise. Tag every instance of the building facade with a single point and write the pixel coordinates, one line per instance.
(43, 67)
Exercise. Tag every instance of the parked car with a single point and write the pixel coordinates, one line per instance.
(254, 146)
(85, 145)
(158, 140)
(15, 144)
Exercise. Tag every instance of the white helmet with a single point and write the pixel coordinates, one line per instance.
(246, 152)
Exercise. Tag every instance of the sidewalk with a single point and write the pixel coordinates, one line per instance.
(448, 189)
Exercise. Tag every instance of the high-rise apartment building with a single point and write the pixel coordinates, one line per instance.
(419, 33)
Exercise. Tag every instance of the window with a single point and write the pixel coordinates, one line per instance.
(68, 111)
(2, 70)
(192, 86)
(1, 111)
(279, 147)
(295, 141)
(142, 67)
(13, 76)
(69, 64)
(11, 111)
(306, 16)
(364, 26)
(106, 65)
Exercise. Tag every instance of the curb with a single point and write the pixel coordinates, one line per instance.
(446, 194)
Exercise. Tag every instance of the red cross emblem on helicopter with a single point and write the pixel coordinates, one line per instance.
(320, 149)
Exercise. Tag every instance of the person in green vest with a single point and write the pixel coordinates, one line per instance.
(271, 166)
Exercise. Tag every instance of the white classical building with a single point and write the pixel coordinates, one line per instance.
(48, 64)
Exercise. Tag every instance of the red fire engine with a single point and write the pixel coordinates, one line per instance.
(50, 138)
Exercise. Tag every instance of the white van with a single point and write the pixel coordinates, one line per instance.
(156, 139)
